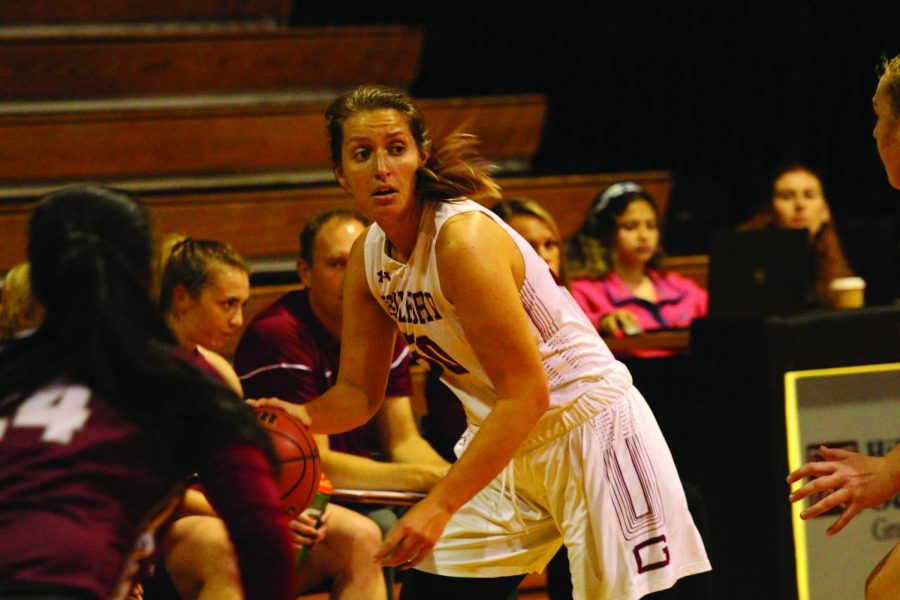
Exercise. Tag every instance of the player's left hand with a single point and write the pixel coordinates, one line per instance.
(850, 478)
(411, 539)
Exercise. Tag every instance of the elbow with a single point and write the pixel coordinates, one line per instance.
(539, 404)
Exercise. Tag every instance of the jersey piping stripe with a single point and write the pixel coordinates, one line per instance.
(273, 367)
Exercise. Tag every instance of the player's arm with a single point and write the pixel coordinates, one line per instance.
(361, 473)
(399, 437)
(486, 295)
(367, 343)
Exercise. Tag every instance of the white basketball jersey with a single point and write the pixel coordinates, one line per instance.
(573, 354)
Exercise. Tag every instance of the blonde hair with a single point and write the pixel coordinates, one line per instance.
(511, 207)
(18, 309)
(890, 79)
(188, 262)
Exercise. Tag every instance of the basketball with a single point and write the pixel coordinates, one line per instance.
(300, 465)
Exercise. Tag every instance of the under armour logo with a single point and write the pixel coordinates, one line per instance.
(382, 276)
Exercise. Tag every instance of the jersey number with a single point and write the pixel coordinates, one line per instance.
(60, 410)
(424, 349)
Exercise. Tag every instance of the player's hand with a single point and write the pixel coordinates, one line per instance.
(411, 539)
(304, 531)
(619, 323)
(295, 410)
(851, 479)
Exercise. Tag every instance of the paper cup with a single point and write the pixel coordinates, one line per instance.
(847, 292)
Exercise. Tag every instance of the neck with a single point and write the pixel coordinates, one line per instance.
(183, 343)
(402, 232)
(631, 275)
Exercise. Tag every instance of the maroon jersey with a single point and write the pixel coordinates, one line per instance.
(82, 491)
(286, 353)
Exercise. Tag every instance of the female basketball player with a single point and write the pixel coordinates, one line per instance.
(101, 420)
(560, 446)
(855, 482)
(203, 287)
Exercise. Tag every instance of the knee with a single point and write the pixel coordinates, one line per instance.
(355, 537)
(198, 553)
(367, 535)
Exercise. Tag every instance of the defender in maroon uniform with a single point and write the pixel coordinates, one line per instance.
(101, 421)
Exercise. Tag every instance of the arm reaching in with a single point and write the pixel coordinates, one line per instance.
(854, 481)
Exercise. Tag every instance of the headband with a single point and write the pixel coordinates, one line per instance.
(614, 191)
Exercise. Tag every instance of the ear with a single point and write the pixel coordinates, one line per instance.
(303, 269)
(339, 175)
(181, 300)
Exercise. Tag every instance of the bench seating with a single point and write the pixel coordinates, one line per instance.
(264, 221)
(134, 61)
(116, 144)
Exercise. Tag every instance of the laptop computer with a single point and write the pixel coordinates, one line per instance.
(759, 273)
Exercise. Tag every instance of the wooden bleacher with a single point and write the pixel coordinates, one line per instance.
(153, 61)
(264, 221)
(286, 136)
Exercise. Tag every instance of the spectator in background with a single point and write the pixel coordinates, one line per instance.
(797, 201)
(291, 350)
(203, 287)
(20, 314)
(615, 269)
(538, 227)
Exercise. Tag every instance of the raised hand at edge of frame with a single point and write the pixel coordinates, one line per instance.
(856, 482)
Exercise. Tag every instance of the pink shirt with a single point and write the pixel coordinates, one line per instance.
(678, 302)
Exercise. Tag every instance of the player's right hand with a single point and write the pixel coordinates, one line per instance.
(304, 531)
(295, 410)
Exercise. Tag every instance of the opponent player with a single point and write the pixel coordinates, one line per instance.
(560, 446)
(854, 481)
(101, 420)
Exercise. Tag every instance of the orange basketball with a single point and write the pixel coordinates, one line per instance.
(300, 464)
